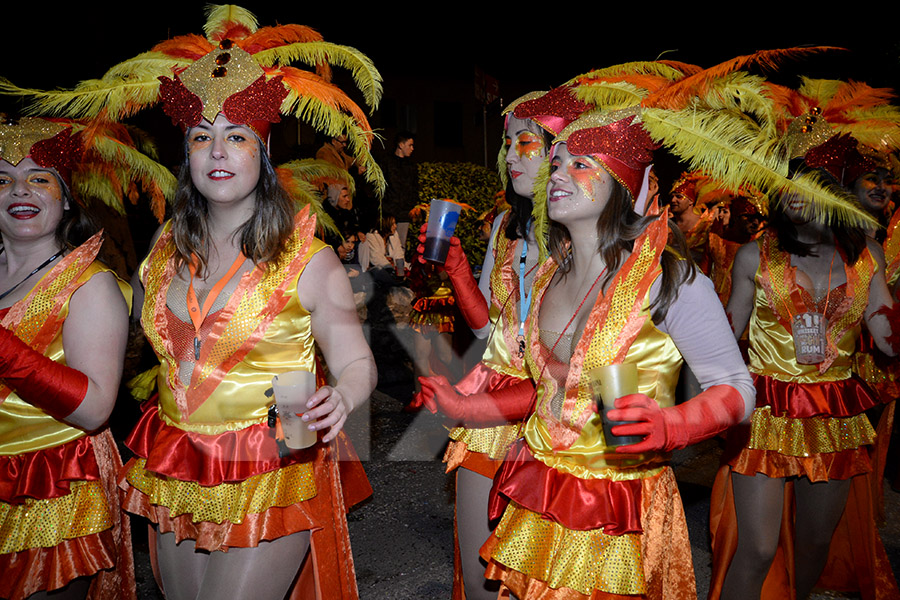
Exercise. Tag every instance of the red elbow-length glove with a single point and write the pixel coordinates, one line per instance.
(51, 386)
(484, 409)
(665, 429)
(469, 299)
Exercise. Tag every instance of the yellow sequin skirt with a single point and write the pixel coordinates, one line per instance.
(536, 557)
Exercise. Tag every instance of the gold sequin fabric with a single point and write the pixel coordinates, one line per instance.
(581, 560)
(46, 523)
(492, 441)
(809, 436)
(228, 501)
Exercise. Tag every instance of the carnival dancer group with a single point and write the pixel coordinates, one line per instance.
(586, 269)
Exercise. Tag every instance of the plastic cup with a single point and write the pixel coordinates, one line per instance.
(400, 267)
(442, 218)
(292, 390)
(609, 383)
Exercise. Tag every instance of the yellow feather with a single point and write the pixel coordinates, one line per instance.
(363, 71)
(221, 16)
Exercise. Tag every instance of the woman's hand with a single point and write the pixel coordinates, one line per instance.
(327, 408)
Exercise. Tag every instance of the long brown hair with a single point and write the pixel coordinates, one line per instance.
(263, 236)
(618, 226)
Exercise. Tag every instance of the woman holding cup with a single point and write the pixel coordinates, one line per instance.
(476, 451)
(582, 517)
(236, 289)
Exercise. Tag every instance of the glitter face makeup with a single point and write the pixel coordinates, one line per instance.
(579, 186)
(30, 200)
(225, 161)
(525, 152)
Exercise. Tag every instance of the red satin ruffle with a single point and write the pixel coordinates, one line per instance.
(210, 460)
(844, 398)
(581, 504)
(44, 569)
(47, 473)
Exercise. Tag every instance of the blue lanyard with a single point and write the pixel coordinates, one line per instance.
(524, 293)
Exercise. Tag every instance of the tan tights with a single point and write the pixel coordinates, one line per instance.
(758, 502)
(265, 572)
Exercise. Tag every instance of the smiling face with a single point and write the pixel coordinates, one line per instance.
(31, 204)
(874, 189)
(579, 186)
(525, 151)
(225, 161)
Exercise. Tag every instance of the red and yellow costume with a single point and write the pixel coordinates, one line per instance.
(207, 465)
(59, 507)
(482, 449)
(808, 422)
(583, 521)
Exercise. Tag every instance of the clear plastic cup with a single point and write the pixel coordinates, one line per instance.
(292, 390)
(442, 218)
(609, 383)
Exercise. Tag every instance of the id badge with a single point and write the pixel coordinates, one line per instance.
(810, 338)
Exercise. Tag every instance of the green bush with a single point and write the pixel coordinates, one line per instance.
(465, 183)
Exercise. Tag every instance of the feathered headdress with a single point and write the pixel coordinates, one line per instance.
(106, 161)
(305, 179)
(239, 70)
(844, 127)
(720, 120)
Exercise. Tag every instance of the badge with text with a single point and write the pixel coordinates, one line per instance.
(810, 340)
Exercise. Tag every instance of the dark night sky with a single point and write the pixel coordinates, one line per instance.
(71, 42)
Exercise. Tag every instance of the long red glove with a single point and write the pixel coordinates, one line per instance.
(51, 386)
(665, 429)
(469, 299)
(505, 405)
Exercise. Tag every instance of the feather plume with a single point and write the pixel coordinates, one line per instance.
(365, 75)
(304, 193)
(733, 151)
(539, 211)
(316, 172)
(679, 94)
(223, 19)
(190, 47)
(669, 71)
(611, 95)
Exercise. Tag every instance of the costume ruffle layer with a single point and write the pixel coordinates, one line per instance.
(538, 559)
(843, 398)
(47, 473)
(578, 504)
(208, 460)
(40, 569)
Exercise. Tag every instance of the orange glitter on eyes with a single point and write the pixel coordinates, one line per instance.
(529, 145)
(584, 172)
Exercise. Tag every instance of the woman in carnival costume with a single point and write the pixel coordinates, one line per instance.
(791, 507)
(580, 517)
(236, 289)
(496, 308)
(63, 330)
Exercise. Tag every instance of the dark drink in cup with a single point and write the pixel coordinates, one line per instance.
(442, 218)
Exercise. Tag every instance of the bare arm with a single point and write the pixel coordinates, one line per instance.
(94, 338)
(743, 287)
(879, 296)
(325, 291)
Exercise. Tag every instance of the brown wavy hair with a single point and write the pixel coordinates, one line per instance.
(618, 227)
(263, 236)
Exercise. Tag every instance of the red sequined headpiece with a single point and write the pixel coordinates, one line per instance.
(624, 148)
(228, 81)
(840, 156)
(48, 142)
(553, 110)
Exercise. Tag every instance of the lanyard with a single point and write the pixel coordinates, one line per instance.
(524, 295)
(199, 315)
